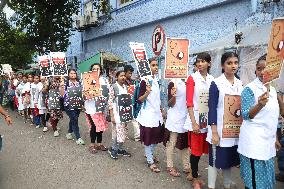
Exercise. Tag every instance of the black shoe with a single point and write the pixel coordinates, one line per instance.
(113, 154)
(280, 178)
(123, 153)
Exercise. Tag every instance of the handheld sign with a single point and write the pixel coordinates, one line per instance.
(158, 40)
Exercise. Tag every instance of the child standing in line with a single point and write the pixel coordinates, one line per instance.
(34, 100)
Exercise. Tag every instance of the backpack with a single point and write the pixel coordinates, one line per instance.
(137, 106)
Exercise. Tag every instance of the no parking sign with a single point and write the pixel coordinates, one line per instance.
(158, 40)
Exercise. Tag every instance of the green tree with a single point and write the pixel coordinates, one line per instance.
(48, 23)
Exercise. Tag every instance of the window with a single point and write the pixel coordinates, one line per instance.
(125, 2)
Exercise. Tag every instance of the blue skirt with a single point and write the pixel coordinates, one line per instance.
(223, 157)
(258, 174)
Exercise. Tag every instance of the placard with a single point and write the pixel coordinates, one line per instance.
(34, 94)
(140, 58)
(100, 103)
(105, 91)
(232, 119)
(125, 107)
(203, 108)
(59, 63)
(91, 85)
(45, 65)
(158, 40)
(176, 58)
(275, 55)
(53, 99)
(75, 97)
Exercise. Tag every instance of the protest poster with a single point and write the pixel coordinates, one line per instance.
(131, 89)
(105, 91)
(203, 109)
(275, 54)
(125, 107)
(100, 103)
(7, 69)
(59, 63)
(232, 119)
(91, 85)
(53, 99)
(34, 94)
(176, 58)
(75, 97)
(140, 58)
(45, 65)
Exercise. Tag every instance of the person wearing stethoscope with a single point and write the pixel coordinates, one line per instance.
(223, 144)
(258, 141)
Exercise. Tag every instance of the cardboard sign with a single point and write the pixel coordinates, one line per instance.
(232, 119)
(59, 63)
(53, 99)
(75, 97)
(176, 58)
(100, 103)
(45, 65)
(203, 108)
(140, 57)
(275, 55)
(91, 85)
(125, 107)
(158, 40)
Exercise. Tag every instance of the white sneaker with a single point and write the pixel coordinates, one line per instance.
(56, 134)
(45, 129)
(69, 136)
(48, 124)
(38, 126)
(80, 141)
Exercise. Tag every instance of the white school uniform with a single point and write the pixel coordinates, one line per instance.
(90, 105)
(19, 89)
(224, 87)
(27, 88)
(150, 115)
(176, 115)
(258, 135)
(200, 84)
(40, 103)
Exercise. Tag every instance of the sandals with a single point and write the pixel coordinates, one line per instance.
(186, 170)
(156, 160)
(101, 147)
(154, 168)
(93, 150)
(173, 172)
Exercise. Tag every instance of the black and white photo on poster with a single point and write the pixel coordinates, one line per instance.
(75, 97)
(105, 91)
(59, 63)
(125, 107)
(34, 94)
(53, 99)
(45, 65)
(100, 103)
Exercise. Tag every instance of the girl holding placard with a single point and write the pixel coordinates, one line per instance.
(197, 91)
(224, 120)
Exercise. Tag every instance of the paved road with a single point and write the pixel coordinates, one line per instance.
(31, 159)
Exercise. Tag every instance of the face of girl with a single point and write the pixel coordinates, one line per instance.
(202, 65)
(231, 65)
(154, 67)
(72, 74)
(36, 79)
(121, 77)
(42, 79)
(96, 68)
(260, 69)
(30, 78)
(25, 79)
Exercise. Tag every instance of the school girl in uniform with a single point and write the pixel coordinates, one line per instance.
(150, 116)
(175, 134)
(43, 93)
(222, 151)
(19, 93)
(260, 111)
(96, 120)
(73, 114)
(118, 128)
(197, 90)
(26, 97)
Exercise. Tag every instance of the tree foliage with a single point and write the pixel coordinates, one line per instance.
(15, 46)
(48, 23)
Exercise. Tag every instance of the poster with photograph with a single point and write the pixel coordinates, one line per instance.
(232, 119)
(59, 63)
(125, 107)
(53, 99)
(45, 65)
(105, 91)
(176, 58)
(91, 85)
(140, 58)
(75, 97)
(131, 89)
(275, 54)
(100, 103)
(203, 108)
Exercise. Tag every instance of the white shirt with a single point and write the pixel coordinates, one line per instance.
(35, 96)
(224, 87)
(201, 85)
(150, 115)
(176, 115)
(19, 89)
(41, 101)
(258, 135)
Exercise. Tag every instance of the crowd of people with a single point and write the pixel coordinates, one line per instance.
(254, 151)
